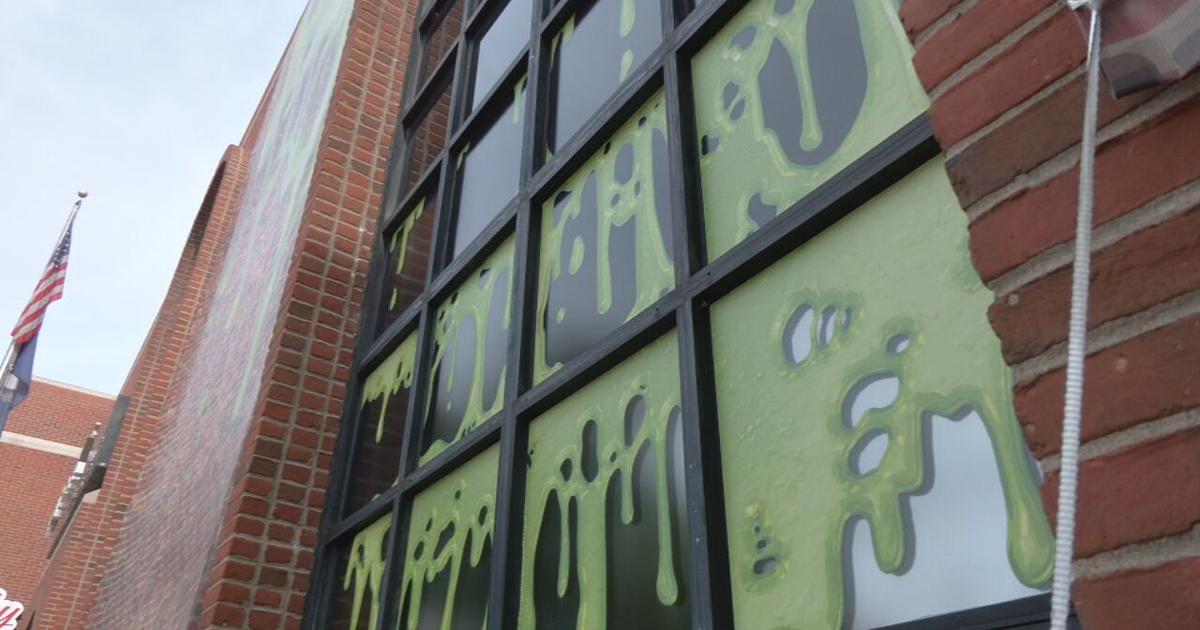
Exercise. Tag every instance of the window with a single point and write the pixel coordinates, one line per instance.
(674, 325)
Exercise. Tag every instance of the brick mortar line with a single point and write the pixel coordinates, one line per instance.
(1157, 211)
(995, 50)
(1015, 111)
(1068, 158)
(1128, 438)
(950, 17)
(1111, 333)
(1144, 555)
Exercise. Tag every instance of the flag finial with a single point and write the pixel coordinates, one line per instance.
(83, 194)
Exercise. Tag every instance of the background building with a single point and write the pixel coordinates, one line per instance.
(39, 450)
(935, 198)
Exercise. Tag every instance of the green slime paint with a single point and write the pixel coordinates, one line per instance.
(394, 374)
(556, 438)
(465, 500)
(749, 159)
(655, 270)
(365, 567)
(901, 267)
(473, 302)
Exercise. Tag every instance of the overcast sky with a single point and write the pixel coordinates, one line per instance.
(134, 100)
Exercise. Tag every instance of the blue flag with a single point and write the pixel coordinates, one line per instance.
(15, 387)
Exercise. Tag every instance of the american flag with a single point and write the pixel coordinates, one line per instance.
(48, 291)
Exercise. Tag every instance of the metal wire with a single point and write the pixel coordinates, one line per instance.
(1077, 340)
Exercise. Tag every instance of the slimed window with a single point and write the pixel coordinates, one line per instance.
(673, 324)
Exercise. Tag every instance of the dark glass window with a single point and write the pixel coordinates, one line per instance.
(593, 55)
(428, 137)
(444, 27)
(499, 46)
(490, 172)
(359, 566)
(470, 354)
(606, 241)
(407, 253)
(384, 409)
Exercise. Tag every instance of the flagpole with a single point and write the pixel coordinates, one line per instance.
(10, 355)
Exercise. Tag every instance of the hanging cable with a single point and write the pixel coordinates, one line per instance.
(1077, 339)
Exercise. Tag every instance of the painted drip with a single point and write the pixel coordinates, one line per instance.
(451, 525)
(863, 333)
(473, 302)
(655, 269)
(364, 569)
(743, 160)
(562, 471)
(394, 374)
(400, 239)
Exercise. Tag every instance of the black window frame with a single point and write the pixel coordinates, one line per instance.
(685, 309)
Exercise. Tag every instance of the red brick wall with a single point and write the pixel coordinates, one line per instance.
(33, 479)
(1006, 77)
(85, 555)
(261, 572)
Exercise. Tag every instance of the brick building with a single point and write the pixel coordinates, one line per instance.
(747, 312)
(39, 450)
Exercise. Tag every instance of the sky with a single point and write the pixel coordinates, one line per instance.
(134, 101)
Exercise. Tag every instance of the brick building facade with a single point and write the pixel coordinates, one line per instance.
(38, 451)
(212, 510)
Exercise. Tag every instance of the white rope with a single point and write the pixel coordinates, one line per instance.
(1077, 340)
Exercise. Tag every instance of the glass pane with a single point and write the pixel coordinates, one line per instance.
(470, 354)
(606, 241)
(358, 578)
(407, 261)
(449, 550)
(429, 137)
(874, 468)
(595, 53)
(606, 533)
(440, 39)
(490, 172)
(376, 463)
(788, 94)
(500, 45)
